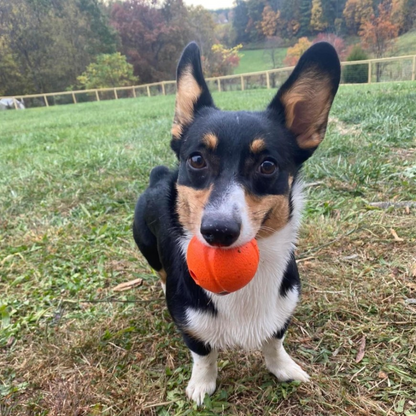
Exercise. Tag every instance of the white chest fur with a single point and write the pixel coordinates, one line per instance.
(248, 317)
(252, 315)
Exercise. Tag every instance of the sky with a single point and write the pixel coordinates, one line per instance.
(211, 4)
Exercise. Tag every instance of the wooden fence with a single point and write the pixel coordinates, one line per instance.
(400, 68)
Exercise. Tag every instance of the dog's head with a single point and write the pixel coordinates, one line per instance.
(237, 169)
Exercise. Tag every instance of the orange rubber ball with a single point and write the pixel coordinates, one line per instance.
(222, 270)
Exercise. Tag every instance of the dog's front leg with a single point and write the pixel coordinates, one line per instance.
(204, 376)
(279, 362)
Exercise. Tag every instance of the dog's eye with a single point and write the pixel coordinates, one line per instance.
(268, 167)
(196, 161)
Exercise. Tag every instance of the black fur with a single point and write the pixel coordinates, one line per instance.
(157, 229)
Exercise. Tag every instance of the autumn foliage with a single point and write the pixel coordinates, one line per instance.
(294, 53)
(379, 32)
(337, 42)
(220, 60)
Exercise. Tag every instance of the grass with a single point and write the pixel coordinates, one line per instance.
(255, 60)
(70, 345)
(406, 44)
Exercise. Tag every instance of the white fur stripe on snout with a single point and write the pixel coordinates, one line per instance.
(232, 205)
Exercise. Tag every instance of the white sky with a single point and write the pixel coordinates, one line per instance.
(211, 4)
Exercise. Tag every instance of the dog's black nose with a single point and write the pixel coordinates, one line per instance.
(220, 233)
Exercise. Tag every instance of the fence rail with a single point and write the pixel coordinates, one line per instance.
(398, 68)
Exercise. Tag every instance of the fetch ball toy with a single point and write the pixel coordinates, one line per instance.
(222, 270)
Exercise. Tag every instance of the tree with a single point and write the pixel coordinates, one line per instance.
(52, 40)
(202, 27)
(409, 15)
(379, 34)
(271, 23)
(221, 61)
(108, 71)
(152, 36)
(337, 42)
(356, 12)
(290, 14)
(271, 47)
(332, 14)
(356, 74)
(240, 22)
(304, 17)
(293, 54)
(102, 35)
(11, 80)
(317, 17)
(254, 11)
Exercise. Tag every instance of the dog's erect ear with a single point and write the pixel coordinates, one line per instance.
(191, 90)
(305, 98)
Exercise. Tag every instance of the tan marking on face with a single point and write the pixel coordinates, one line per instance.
(187, 95)
(210, 140)
(307, 106)
(190, 206)
(257, 146)
(176, 131)
(162, 274)
(276, 207)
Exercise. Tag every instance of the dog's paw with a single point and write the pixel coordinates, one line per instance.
(196, 390)
(288, 370)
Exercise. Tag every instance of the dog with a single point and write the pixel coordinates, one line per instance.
(238, 178)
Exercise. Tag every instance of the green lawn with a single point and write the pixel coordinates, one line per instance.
(255, 60)
(70, 345)
(258, 60)
(406, 44)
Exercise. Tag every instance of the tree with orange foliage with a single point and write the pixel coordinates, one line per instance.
(379, 33)
(356, 12)
(271, 22)
(293, 54)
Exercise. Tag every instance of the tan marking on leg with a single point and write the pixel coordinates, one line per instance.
(276, 207)
(162, 274)
(257, 145)
(190, 206)
(210, 140)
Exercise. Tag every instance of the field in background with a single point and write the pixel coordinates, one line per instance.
(406, 44)
(254, 60)
(257, 60)
(70, 345)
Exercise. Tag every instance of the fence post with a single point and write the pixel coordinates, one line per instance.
(74, 98)
(414, 68)
(369, 72)
(148, 91)
(14, 103)
(97, 95)
(115, 94)
(134, 92)
(242, 83)
(219, 84)
(163, 88)
(268, 80)
(46, 100)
